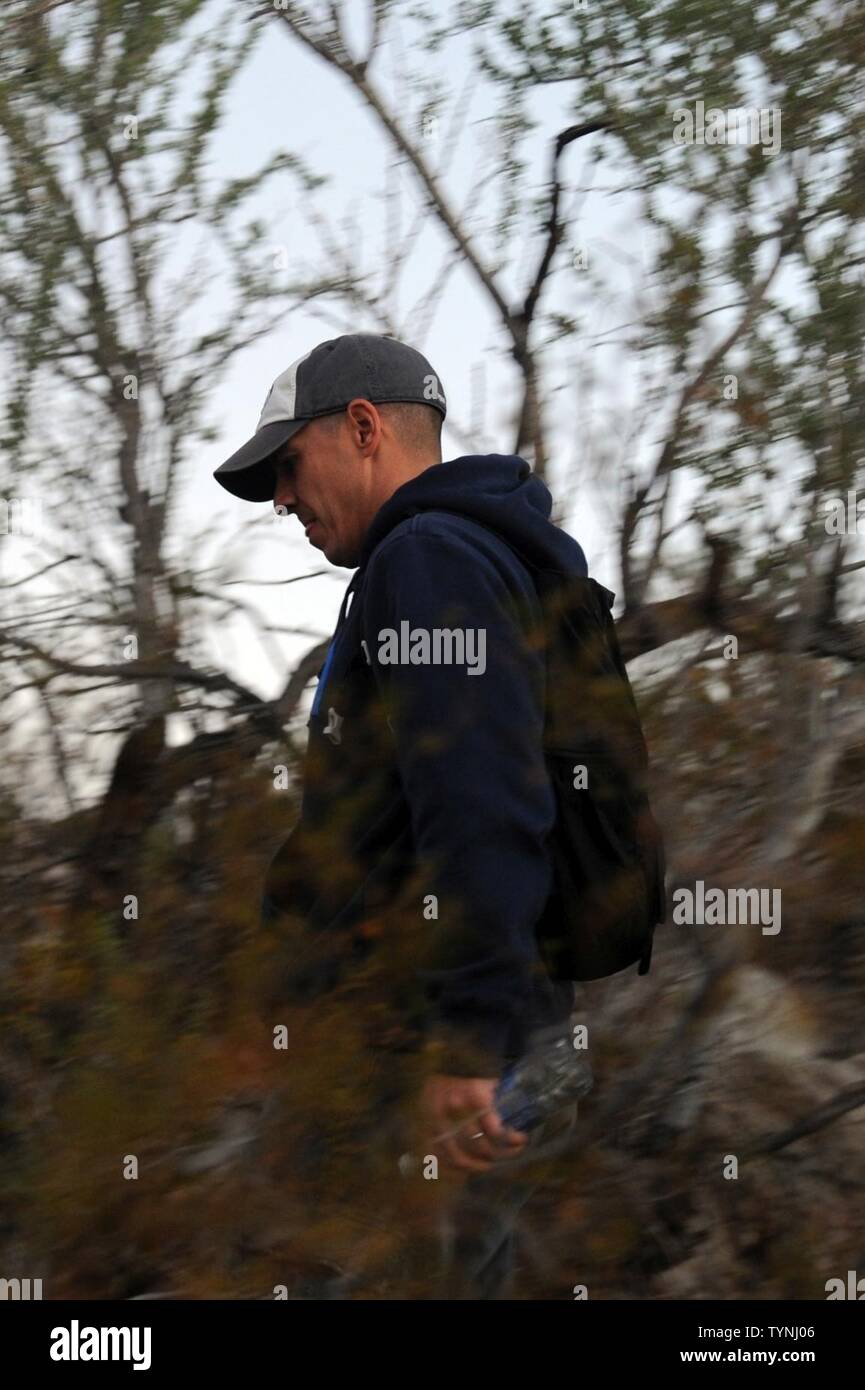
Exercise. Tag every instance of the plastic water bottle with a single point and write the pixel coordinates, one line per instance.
(552, 1074)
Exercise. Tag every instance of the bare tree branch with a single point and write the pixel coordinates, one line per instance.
(851, 1098)
(555, 229)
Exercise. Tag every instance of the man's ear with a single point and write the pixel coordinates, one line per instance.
(365, 422)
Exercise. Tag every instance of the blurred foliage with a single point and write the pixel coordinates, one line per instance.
(153, 1036)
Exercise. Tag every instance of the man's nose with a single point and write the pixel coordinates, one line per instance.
(283, 492)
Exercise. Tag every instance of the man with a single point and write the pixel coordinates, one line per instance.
(419, 860)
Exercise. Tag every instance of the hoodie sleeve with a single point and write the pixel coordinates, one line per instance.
(468, 741)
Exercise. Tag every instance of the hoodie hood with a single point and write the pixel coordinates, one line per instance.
(497, 490)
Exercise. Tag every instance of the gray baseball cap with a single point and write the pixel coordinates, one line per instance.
(370, 365)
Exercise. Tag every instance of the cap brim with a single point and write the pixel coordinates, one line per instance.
(249, 473)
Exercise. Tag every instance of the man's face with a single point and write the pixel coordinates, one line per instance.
(321, 482)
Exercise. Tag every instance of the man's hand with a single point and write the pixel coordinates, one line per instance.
(459, 1122)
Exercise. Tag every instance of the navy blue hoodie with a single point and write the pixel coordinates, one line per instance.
(426, 801)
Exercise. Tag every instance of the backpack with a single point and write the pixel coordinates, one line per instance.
(607, 850)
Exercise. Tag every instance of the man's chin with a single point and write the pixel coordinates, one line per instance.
(321, 542)
(327, 551)
(343, 559)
